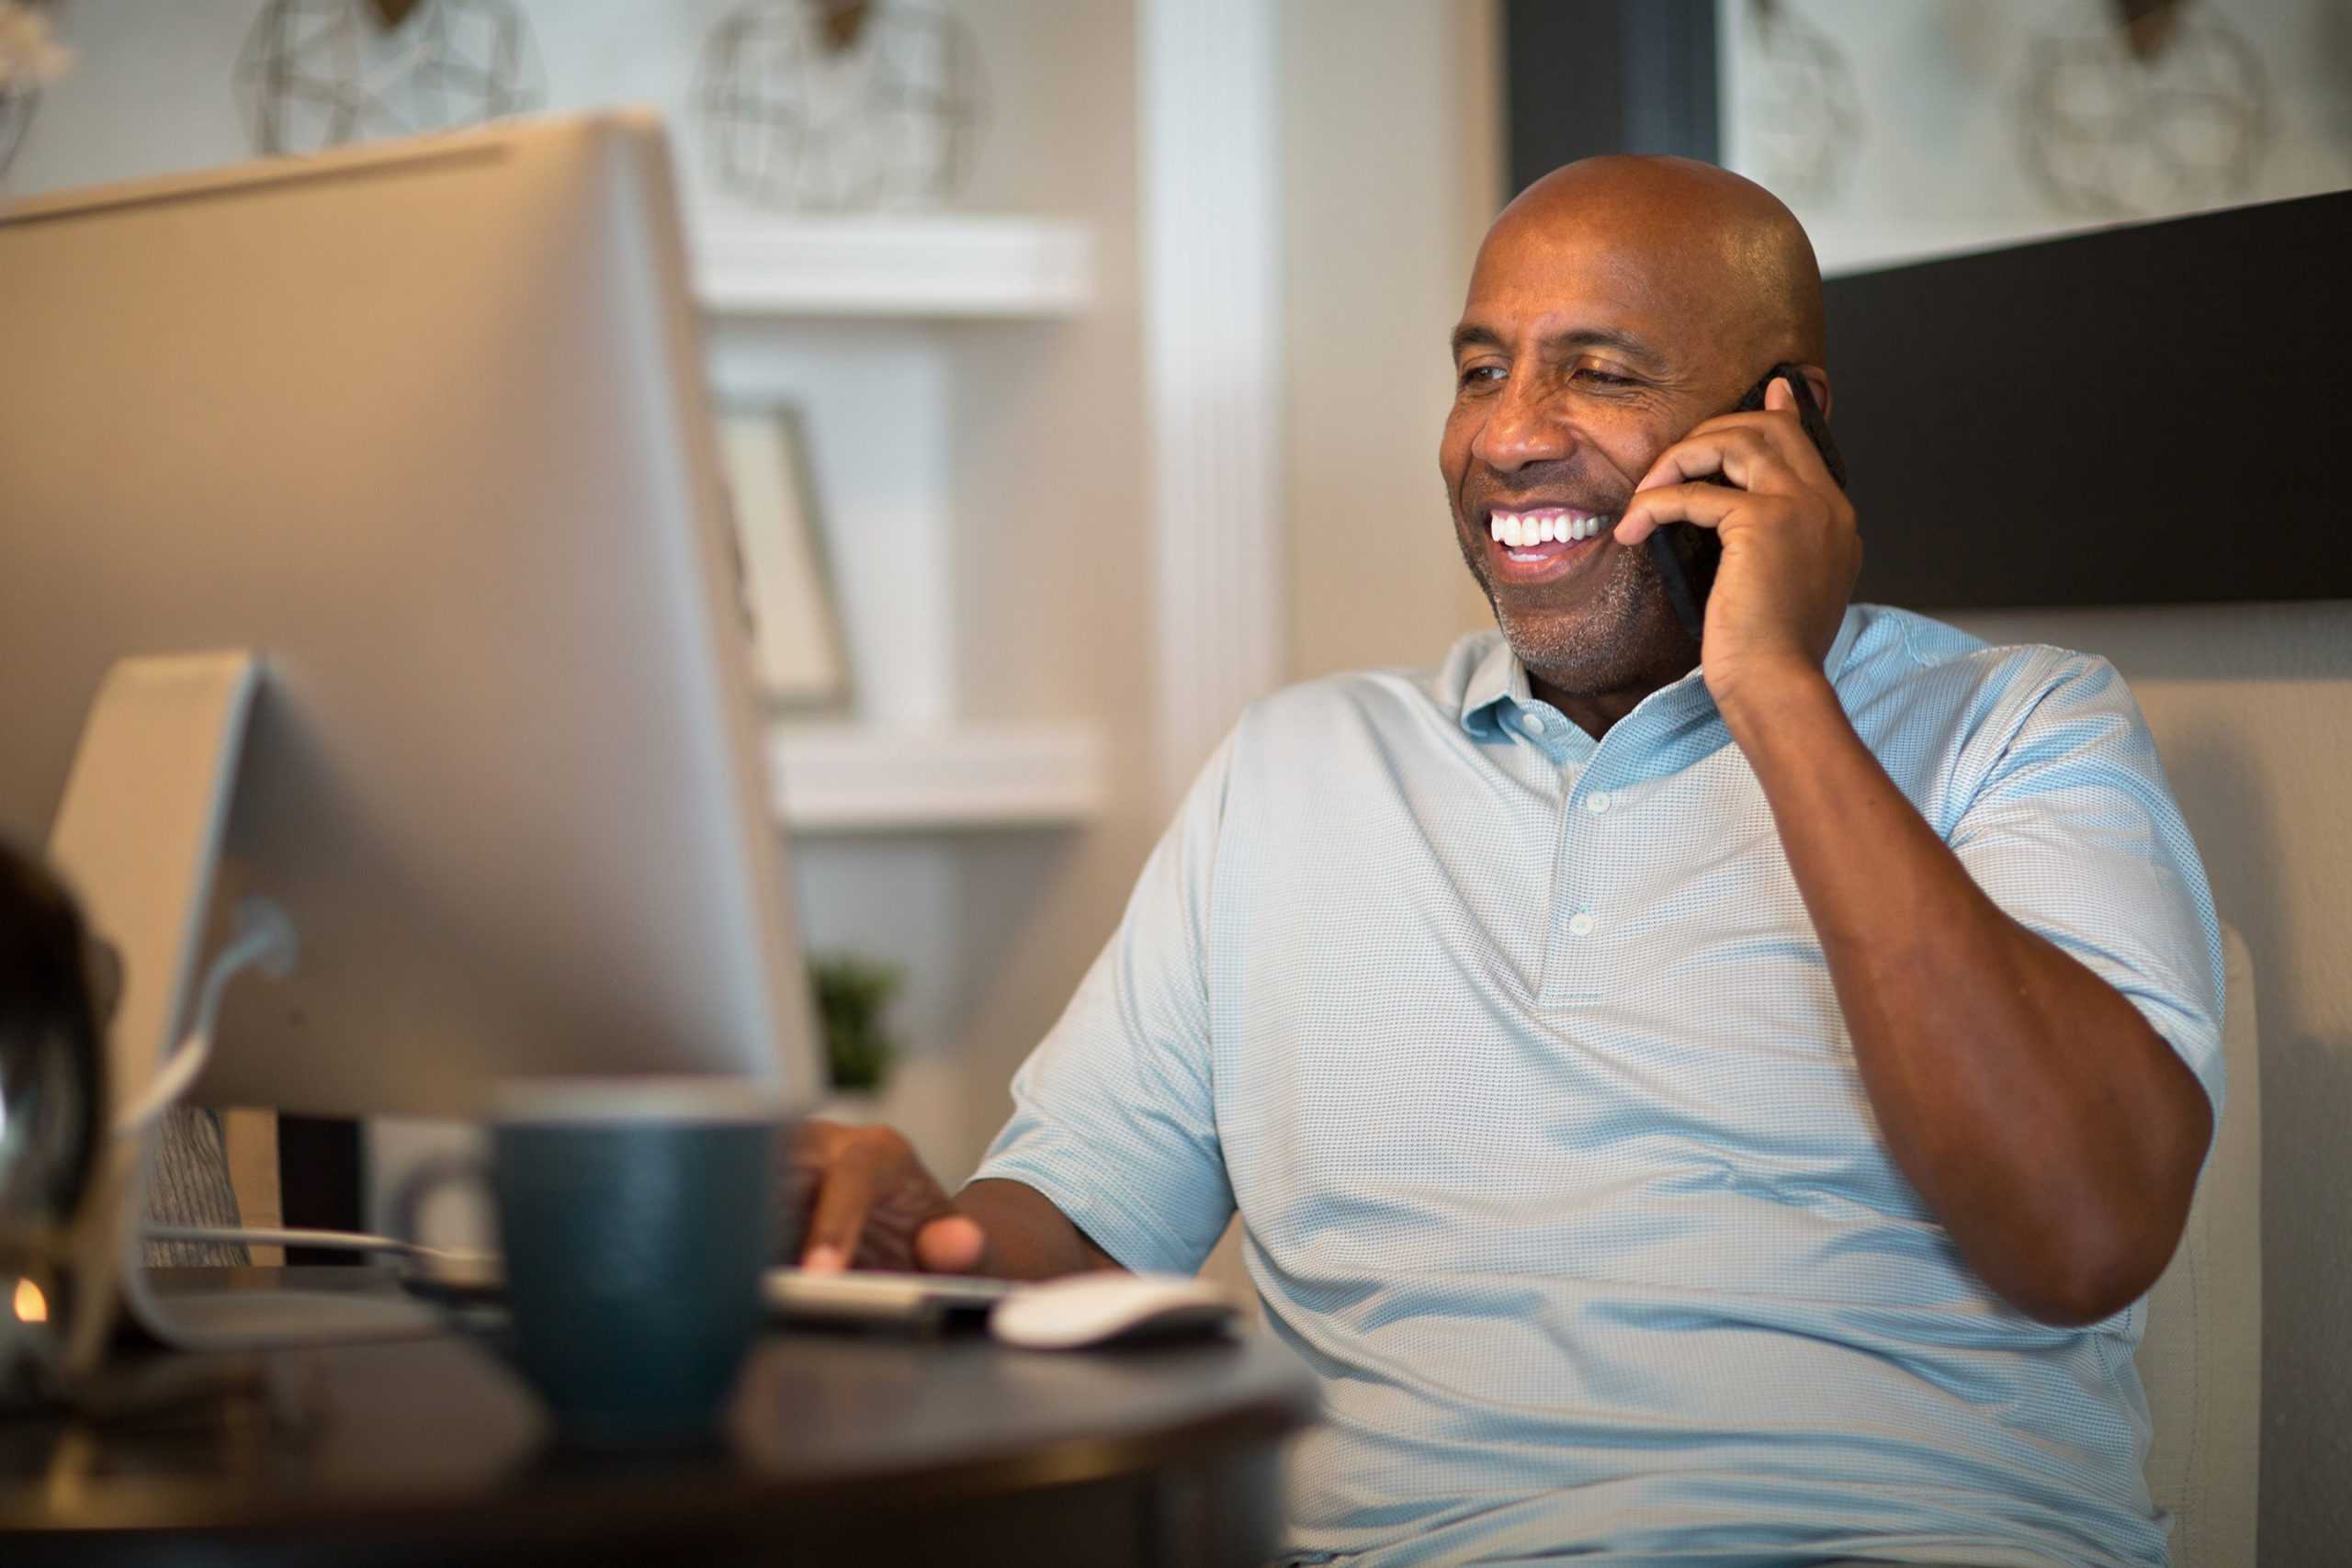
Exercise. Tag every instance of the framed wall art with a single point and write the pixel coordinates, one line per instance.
(788, 589)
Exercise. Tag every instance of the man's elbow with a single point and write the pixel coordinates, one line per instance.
(2078, 1304)
(2093, 1278)
(2102, 1242)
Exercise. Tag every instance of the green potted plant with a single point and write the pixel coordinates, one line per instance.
(852, 994)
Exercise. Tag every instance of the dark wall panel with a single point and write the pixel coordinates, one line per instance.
(1587, 76)
(2141, 416)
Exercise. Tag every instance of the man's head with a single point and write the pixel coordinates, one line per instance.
(1616, 303)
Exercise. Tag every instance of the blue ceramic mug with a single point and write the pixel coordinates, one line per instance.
(636, 1217)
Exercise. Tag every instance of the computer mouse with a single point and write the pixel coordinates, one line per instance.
(1106, 1308)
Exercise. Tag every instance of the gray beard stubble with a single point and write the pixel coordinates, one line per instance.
(1619, 638)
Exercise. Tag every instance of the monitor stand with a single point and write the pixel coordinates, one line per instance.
(138, 838)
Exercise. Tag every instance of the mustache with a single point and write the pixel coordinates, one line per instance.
(1568, 482)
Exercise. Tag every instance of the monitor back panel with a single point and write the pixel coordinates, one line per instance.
(424, 426)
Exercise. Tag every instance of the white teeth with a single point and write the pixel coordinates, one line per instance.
(1518, 532)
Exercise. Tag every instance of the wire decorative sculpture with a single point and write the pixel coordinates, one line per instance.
(2141, 123)
(1804, 119)
(320, 72)
(29, 58)
(839, 104)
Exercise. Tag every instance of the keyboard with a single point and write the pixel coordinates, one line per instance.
(914, 1299)
(793, 1294)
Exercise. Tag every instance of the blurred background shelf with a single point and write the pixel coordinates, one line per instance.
(932, 266)
(852, 778)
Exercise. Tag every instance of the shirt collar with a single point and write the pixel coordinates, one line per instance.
(1498, 677)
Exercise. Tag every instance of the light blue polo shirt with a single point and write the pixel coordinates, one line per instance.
(1520, 1058)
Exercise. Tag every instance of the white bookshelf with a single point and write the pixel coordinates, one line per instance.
(841, 316)
(856, 778)
(925, 267)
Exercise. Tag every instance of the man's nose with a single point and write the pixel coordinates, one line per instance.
(1522, 426)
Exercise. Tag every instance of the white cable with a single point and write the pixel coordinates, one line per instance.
(264, 936)
(268, 1235)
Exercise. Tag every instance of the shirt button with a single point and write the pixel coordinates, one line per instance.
(1581, 925)
(1597, 802)
(1534, 722)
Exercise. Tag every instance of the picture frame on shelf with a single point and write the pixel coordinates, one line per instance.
(798, 654)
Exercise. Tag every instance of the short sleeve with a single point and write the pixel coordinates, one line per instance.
(2073, 832)
(1115, 1116)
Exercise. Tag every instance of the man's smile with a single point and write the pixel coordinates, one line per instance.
(1541, 542)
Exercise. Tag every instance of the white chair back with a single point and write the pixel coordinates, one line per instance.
(2201, 1357)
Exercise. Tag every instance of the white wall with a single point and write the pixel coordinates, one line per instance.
(1391, 170)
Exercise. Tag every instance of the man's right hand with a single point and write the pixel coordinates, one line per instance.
(872, 1205)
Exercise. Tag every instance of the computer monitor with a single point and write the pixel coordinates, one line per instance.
(423, 424)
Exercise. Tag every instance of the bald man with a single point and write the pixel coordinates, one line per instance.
(1717, 1099)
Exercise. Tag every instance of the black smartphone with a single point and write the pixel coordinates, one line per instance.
(1688, 555)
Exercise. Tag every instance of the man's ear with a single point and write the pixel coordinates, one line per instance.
(1817, 380)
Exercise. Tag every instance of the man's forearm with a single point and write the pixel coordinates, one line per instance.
(2052, 1130)
(1028, 1236)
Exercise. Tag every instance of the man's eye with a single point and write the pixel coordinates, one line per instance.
(1592, 377)
(1482, 376)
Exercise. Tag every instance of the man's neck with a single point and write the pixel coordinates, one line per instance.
(1594, 712)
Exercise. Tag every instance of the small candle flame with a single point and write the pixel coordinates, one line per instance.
(31, 1305)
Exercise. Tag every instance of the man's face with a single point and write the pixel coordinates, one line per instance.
(1582, 353)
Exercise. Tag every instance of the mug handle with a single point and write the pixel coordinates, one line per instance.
(458, 1274)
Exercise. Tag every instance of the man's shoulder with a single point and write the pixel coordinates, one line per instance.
(1350, 700)
(1902, 654)
(1943, 710)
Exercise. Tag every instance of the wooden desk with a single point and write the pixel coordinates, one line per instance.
(839, 1448)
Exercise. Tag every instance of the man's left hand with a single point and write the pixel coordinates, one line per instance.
(1792, 549)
